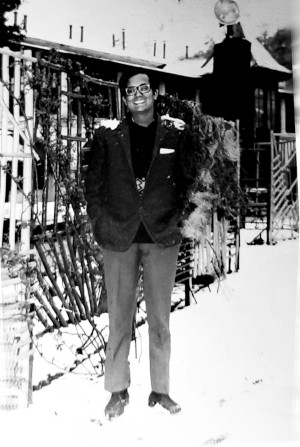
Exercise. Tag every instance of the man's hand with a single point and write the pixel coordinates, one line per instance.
(176, 122)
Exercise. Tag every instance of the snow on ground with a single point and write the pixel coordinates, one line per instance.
(234, 371)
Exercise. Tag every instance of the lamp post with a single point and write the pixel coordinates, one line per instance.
(227, 12)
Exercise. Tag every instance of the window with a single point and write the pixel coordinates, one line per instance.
(264, 113)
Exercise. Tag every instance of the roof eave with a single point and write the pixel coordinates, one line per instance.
(108, 57)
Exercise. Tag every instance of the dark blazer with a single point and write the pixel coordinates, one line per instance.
(113, 202)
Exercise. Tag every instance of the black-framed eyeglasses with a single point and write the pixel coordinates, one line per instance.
(142, 88)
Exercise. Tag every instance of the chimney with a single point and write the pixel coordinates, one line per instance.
(164, 50)
(25, 23)
(70, 32)
(81, 34)
(186, 52)
(113, 40)
(154, 48)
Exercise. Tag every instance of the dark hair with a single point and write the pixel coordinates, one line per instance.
(133, 72)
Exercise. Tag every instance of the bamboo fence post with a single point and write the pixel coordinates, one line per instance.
(16, 137)
(63, 101)
(72, 149)
(64, 122)
(224, 226)
(42, 302)
(216, 238)
(97, 305)
(74, 261)
(47, 142)
(197, 255)
(54, 284)
(3, 147)
(27, 164)
(40, 315)
(58, 148)
(80, 280)
(87, 279)
(196, 263)
(66, 264)
(64, 277)
(202, 257)
(78, 134)
(271, 191)
(43, 283)
(207, 245)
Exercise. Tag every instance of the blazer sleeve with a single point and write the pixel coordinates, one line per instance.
(95, 176)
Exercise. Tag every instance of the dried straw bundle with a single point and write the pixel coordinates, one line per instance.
(212, 161)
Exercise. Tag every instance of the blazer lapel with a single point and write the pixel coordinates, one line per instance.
(124, 139)
(160, 135)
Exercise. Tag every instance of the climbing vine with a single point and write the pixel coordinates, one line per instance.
(215, 158)
(66, 277)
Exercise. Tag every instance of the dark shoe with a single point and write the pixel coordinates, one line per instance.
(165, 401)
(116, 404)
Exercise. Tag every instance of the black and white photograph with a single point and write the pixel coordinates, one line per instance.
(149, 223)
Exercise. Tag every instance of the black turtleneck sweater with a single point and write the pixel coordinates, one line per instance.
(142, 141)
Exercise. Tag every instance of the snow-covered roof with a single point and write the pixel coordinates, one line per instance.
(260, 56)
(193, 68)
(102, 55)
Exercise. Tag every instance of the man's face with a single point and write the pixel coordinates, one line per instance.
(140, 103)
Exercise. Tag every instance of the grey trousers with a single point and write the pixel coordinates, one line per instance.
(121, 276)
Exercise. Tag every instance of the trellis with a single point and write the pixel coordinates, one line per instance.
(21, 202)
(273, 203)
(15, 156)
(16, 147)
(284, 203)
(47, 208)
(68, 284)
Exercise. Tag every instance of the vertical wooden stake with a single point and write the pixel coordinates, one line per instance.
(5, 96)
(27, 164)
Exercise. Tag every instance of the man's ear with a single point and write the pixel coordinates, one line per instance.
(155, 94)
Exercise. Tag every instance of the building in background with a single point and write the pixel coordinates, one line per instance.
(225, 69)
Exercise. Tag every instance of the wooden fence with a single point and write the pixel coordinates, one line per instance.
(284, 201)
(271, 184)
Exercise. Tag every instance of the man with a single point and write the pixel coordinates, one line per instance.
(136, 186)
